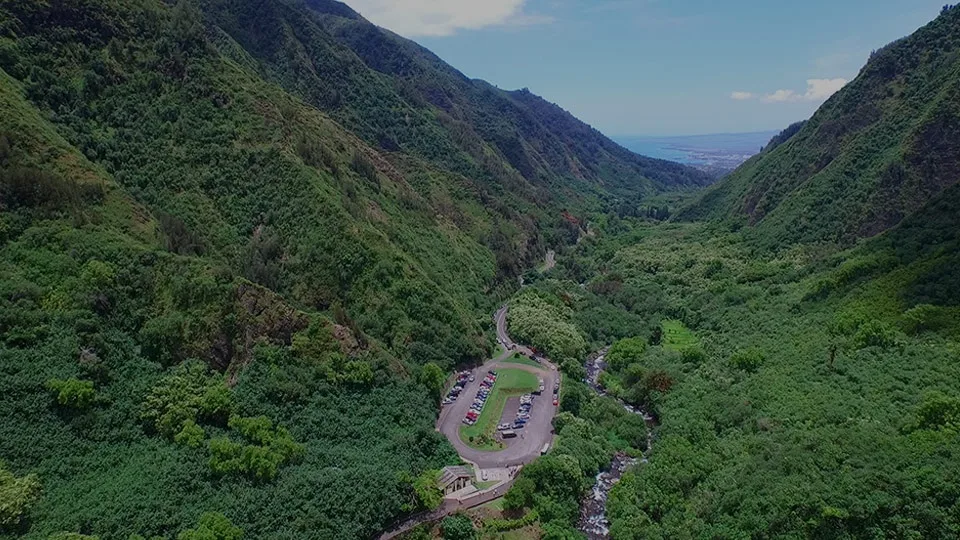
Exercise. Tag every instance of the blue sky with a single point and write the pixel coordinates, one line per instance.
(660, 67)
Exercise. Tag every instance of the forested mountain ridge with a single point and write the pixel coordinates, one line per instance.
(236, 261)
(401, 97)
(878, 150)
(538, 138)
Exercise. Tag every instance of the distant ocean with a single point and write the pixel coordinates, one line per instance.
(720, 152)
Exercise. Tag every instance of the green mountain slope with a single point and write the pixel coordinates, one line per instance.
(873, 154)
(91, 294)
(187, 110)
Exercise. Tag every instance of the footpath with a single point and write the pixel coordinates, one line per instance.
(451, 505)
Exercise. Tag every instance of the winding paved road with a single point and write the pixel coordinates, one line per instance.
(539, 430)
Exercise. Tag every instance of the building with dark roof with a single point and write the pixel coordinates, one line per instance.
(453, 479)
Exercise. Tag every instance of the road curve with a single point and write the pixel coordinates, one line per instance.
(539, 430)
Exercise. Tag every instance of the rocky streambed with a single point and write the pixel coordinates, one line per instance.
(593, 508)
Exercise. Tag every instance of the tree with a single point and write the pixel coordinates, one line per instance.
(458, 527)
(269, 448)
(562, 420)
(693, 355)
(574, 397)
(72, 393)
(433, 378)
(212, 526)
(187, 394)
(921, 318)
(748, 360)
(520, 495)
(357, 373)
(556, 476)
(625, 352)
(17, 496)
(939, 412)
(555, 530)
(425, 487)
(876, 333)
(656, 335)
(162, 338)
(191, 435)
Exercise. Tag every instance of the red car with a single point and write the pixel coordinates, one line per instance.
(555, 403)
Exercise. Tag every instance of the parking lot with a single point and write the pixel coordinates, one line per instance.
(537, 429)
(463, 378)
(479, 402)
(510, 411)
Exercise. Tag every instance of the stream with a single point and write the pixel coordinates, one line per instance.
(593, 508)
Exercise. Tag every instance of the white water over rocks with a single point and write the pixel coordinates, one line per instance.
(593, 509)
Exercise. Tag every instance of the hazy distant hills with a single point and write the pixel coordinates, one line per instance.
(716, 154)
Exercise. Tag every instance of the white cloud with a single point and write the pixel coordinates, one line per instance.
(781, 96)
(742, 96)
(817, 90)
(821, 89)
(444, 17)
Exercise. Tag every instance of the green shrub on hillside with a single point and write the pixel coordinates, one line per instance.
(72, 393)
(191, 435)
(188, 394)
(269, 449)
(212, 526)
(458, 527)
(876, 334)
(748, 360)
(939, 412)
(17, 497)
(925, 318)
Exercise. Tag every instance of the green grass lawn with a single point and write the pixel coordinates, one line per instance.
(676, 336)
(496, 505)
(510, 382)
(521, 359)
